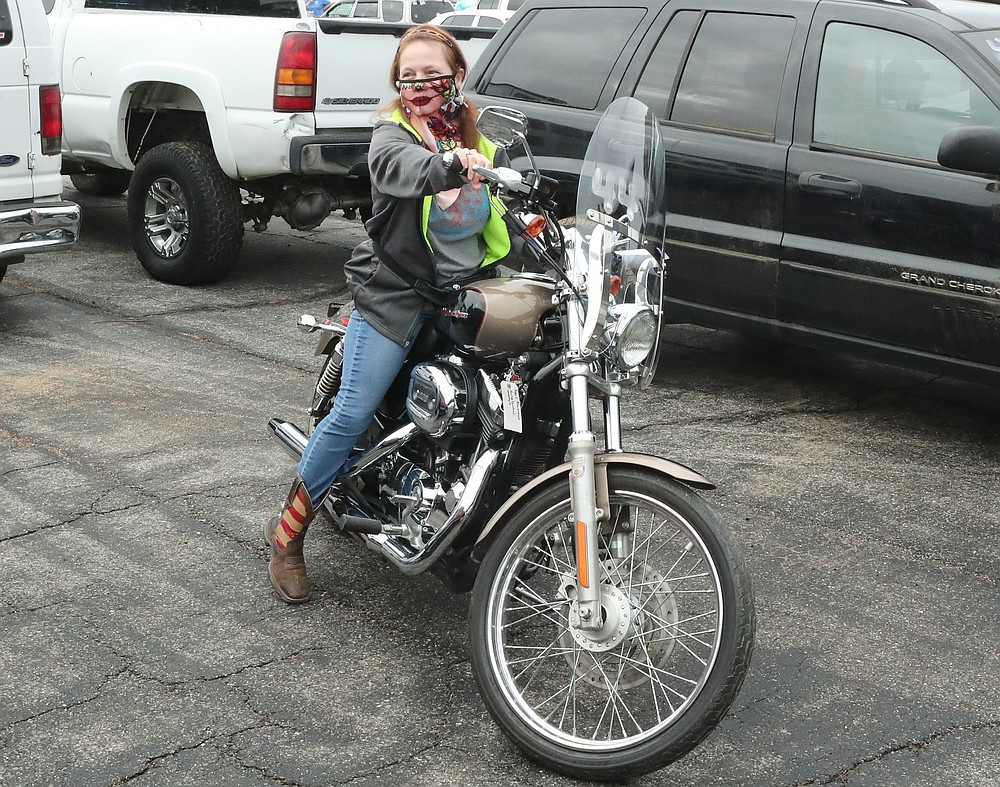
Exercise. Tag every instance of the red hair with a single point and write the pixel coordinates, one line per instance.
(456, 62)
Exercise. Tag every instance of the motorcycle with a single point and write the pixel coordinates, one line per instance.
(611, 622)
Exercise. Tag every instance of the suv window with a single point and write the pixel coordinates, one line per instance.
(288, 9)
(730, 81)
(660, 73)
(564, 36)
(887, 93)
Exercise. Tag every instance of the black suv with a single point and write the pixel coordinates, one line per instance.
(805, 198)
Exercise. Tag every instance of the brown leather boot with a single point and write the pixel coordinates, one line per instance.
(285, 535)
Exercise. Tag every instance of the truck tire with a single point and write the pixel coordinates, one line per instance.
(102, 184)
(183, 214)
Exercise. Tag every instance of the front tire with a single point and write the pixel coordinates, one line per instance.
(184, 214)
(661, 674)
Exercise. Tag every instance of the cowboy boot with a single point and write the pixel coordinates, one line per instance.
(285, 534)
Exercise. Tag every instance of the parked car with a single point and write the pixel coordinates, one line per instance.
(406, 11)
(473, 18)
(33, 216)
(499, 5)
(805, 198)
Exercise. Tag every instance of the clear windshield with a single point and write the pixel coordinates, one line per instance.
(618, 213)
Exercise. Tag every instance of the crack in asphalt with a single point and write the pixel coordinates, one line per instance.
(842, 776)
(154, 762)
(76, 517)
(225, 675)
(28, 468)
(70, 705)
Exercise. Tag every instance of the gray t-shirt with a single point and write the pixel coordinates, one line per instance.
(456, 233)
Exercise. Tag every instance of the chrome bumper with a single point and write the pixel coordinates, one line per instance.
(29, 227)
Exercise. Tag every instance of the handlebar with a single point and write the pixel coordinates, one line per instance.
(506, 178)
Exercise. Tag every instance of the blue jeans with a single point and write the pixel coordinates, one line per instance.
(371, 363)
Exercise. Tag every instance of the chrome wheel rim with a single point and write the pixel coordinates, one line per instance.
(166, 217)
(615, 688)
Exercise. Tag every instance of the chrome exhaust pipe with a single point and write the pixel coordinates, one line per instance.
(291, 438)
(408, 560)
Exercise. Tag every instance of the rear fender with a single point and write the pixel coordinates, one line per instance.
(337, 319)
(560, 475)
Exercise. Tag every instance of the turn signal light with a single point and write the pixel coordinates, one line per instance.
(535, 226)
(295, 75)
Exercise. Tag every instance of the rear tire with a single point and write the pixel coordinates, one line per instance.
(662, 673)
(3, 272)
(102, 184)
(184, 215)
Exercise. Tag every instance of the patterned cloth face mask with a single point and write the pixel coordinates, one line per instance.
(442, 123)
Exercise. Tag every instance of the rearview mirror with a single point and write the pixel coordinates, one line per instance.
(502, 126)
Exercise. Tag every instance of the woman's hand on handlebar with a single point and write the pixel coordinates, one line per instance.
(472, 158)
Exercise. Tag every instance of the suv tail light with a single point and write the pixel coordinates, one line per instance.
(295, 76)
(51, 114)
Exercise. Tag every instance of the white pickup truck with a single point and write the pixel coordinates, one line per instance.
(33, 215)
(216, 113)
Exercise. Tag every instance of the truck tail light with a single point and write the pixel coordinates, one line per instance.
(295, 76)
(51, 114)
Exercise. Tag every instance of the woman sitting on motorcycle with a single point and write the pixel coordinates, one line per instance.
(432, 223)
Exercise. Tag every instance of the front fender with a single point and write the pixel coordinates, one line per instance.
(560, 474)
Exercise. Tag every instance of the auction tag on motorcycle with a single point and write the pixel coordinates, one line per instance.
(511, 395)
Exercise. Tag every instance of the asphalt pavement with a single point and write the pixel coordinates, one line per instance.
(141, 644)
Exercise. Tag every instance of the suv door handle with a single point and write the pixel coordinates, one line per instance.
(820, 181)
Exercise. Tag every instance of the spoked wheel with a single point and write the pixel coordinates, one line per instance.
(675, 645)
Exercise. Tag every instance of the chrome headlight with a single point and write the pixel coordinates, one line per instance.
(631, 335)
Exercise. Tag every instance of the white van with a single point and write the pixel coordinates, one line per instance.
(33, 216)
(406, 11)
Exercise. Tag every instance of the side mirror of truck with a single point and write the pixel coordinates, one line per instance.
(971, 149)
(504, 127)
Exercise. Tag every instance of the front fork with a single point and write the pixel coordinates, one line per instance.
(588, 485)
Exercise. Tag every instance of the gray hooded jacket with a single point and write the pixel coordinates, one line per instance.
(405, 175)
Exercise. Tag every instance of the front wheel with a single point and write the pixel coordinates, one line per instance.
(667, 664)
(184, 214)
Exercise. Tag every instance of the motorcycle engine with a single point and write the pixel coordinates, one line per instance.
(438, 397)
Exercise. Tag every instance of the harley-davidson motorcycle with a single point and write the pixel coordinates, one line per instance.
(612, 619)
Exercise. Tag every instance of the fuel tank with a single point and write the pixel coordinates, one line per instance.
(497, 318)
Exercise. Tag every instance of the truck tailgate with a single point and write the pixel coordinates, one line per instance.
(353, 60)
